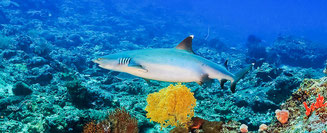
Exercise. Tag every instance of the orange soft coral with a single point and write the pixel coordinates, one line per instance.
(319, 103)
(172, 106)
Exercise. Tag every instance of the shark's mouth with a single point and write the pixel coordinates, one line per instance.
(95, 61)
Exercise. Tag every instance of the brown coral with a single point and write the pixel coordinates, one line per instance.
(118, 121)
(123, 122)
(91, 127)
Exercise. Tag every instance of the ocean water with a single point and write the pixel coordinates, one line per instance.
(122, 66)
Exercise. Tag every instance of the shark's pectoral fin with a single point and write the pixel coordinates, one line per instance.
(240, 75)
(222, 82)
(147, 80)
(205, 80)
(140, 68)
(186, 44)
(199, 82)
(137, 66)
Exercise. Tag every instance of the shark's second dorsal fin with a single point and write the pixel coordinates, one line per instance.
(226, 64)
(186, 44)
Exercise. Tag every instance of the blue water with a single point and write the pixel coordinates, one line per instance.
(49, 82)
(235, 20)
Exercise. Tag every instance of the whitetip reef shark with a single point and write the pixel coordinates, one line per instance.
(178, 64)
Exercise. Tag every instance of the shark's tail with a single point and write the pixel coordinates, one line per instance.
(240, 75)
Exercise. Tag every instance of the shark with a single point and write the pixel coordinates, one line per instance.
(178, 64)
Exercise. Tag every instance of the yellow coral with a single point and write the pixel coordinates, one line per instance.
(172, 106)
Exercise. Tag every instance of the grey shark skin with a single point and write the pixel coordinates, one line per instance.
(178, 64)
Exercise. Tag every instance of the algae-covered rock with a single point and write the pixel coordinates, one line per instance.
(256, 49)
(4, 102)
(212, 126)
(294, 51)
(21, 89)
(179, 130)
(79, 94)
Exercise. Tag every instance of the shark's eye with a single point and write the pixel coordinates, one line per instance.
(99, 59)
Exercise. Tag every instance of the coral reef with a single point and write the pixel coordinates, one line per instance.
(212, 126)
(79, 94)
(21, 89)
(91, 127)
(204, 126)
(179, 130)
(293, 51)
(48, 82)
(5, 41)
(302, 119)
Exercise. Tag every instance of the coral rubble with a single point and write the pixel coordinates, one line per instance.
(300, 120)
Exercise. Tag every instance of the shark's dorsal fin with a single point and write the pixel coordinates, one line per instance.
(186, 44)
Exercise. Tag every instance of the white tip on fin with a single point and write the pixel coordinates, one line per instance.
(186, 44)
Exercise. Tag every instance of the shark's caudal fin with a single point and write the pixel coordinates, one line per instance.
(240, 75)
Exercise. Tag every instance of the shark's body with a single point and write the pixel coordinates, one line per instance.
(178, 64)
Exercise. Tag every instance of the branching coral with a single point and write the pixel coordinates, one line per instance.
(91, 127)
(119, 121)
(171, 106)
(122, 122)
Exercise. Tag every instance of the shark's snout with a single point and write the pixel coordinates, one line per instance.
(98, 60)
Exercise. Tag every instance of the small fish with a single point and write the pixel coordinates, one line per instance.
(178, 64)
